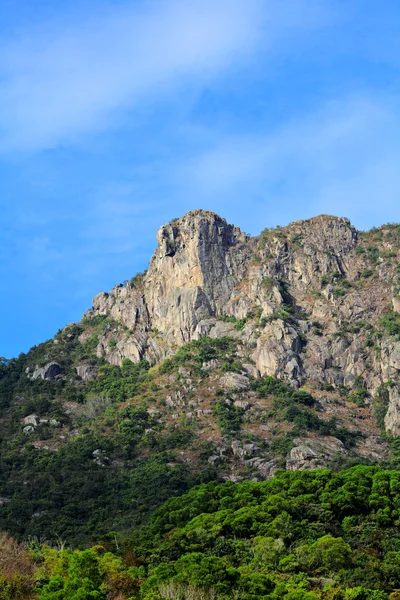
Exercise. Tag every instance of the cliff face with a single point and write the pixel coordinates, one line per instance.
(315, 305)
(308, 299)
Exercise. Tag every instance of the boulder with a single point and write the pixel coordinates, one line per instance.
(311, 454)
(86, 372)
(234, 381)
(50, 371)
(31, 420)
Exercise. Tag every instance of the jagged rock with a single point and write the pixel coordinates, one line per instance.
(302, 457)
(241, 451)
(242, 404)
(392, 418)
(214, 459)
(31, 420)
(311, 454)
(198, 262)
(51, 422)
(396, 304)
(86, 372)
(251, 370)
(277, 352)
(308, 272)
(267, 468)
(234, 381)
(100, 457)
(50, 371)
(210, 364)
(153, 412)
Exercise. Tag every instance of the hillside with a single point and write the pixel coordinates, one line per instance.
(299, 536)
(230, 358)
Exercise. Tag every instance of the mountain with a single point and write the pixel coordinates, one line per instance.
(232, 357)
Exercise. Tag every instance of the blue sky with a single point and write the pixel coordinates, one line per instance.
(117, 116)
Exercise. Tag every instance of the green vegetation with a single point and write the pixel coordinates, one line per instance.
(138, 280)
(227, 318)
(120, 466)
(305, 535)
(381, 403)
(373, 254)
(141, 460)
(294, 407)
(297, 240)
(367, 273)
(283, 394)
(199, 351)
(391, 324)
(229, 418)
(268, 283)
(337, 279)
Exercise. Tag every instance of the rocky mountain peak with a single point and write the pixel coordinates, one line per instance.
(307, 299)
(198, 228)
(199, 260)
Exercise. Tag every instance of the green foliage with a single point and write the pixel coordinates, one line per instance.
(338, 291)
(358, 396)
(391, 323)
(303, 535)
(199, 351)
(138, 280)
(284, 313)
(275, 539)
(283, 393)
(267, 283)
(326, 555)
(373, 254)
(380, 404)
(297, 239)
(119, 383)
(227, 318)
(339, 280)
(229, 418)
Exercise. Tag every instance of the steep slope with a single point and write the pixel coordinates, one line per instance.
(318, 301)
(230, 358)
(299, 536)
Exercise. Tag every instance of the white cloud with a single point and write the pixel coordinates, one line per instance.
(63, 80)
(342, 160)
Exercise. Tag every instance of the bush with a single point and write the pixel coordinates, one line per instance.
(391, 323)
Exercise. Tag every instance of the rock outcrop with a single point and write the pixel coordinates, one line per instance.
(306, 299)
(50, 371)
(311, 454)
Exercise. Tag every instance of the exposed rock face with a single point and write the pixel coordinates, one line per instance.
(50, 371)
(234, 381)
(310, 295)
(311, 454)
(31, 420)
(199, 261)
(392, 418)
(86, 372)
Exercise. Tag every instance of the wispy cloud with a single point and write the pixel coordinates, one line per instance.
(72, 78)
(338, 160)
(63, 81)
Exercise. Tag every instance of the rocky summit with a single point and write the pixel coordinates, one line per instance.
(230, 358)
(314, 302)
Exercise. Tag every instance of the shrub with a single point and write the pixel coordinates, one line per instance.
(391, 323)
(367, 273)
